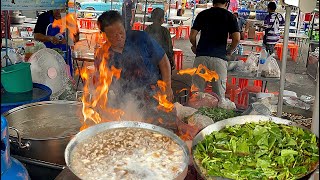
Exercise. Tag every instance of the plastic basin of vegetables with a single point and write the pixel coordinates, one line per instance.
(255, 147)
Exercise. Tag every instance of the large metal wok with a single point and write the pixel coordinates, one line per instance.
(103, 127)
(234, 121)
(42, 130)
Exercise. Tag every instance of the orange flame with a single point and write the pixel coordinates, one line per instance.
(96, 108)
(161, 97)
(207, 74)
(69, 21)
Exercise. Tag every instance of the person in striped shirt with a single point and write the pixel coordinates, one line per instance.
(271, 23)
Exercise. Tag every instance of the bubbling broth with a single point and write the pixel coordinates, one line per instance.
(128, 153)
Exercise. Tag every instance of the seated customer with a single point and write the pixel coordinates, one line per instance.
(161, 34)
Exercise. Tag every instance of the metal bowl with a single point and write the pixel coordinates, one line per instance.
(104, 127)
(234, 121)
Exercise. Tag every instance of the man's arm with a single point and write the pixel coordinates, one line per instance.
(193, 40)
(196, 28)
(235, 37)
(165, 70)
(43, 38)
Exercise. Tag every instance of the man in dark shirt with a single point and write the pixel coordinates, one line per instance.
(141, 59)
(215, 25)
(128, 8)
(51, 36)
(161, 34)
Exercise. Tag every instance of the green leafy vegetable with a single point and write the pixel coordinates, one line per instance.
(263, 150)
(217, 114)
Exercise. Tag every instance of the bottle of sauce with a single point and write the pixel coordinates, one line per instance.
(29, 50)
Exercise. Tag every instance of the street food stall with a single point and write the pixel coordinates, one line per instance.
(203, 137)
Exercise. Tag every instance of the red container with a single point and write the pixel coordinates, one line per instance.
(308, 17)
(150, 9)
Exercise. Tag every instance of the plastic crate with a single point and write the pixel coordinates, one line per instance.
(244, 13)
(261, 15)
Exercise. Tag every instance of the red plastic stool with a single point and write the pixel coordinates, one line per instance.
(136, 26)
(232, 91)
(178, 58)
(174, 31)
(258, 36)
(184, 28)
(243, 83)
(244, 95)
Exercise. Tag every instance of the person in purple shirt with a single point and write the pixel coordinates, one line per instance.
(271, 24)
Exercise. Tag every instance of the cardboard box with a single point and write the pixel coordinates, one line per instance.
(251, 32)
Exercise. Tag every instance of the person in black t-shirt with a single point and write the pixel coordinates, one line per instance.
(215, 25)
(51, 36)
(128, 8)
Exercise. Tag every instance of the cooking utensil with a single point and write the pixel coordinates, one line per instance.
(234, 121)
(93, 130)
(42, 130)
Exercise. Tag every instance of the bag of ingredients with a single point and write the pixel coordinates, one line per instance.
(271, 68)
(252, 63)
(200, 99)
(227, 104)
(189, 123)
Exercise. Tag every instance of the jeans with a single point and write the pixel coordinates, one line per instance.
(214, 64)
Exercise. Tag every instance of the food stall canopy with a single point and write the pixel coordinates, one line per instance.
(32, 4)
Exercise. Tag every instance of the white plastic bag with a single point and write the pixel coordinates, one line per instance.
(271, 68)
(226, 104)
(252, 63)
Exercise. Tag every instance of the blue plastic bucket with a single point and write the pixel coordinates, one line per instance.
(39, 93)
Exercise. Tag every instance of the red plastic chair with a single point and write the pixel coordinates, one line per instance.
(178, 58)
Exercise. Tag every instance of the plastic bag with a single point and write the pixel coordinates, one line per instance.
(227, 104)
(189, 123)
(271, 68)
(200, 99)
(252, 63)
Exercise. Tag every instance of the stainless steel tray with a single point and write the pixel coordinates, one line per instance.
(234, 121)
(103, 127)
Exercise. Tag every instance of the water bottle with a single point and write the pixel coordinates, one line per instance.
(263, 56)
(240, 49)
(262, 59)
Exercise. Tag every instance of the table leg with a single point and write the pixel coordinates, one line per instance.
(79, 74)
(265, 85)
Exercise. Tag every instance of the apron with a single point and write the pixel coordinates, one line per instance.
(51, 31)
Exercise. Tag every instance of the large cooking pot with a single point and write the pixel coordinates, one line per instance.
(104, 127)
(42, 130)
(234, 121)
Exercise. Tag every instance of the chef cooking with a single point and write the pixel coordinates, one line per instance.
(45, 32)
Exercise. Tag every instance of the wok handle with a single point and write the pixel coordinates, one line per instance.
(21, 145)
